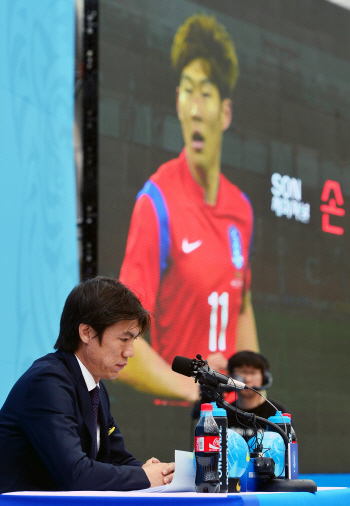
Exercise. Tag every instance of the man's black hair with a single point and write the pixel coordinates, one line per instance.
(249, 359)
(99, 302)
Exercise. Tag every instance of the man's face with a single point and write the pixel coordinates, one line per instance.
(105, 360)
(252, 377)
(203, 116)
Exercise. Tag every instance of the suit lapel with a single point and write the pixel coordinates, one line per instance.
(86, 407)
(103, 417)
(82, 393)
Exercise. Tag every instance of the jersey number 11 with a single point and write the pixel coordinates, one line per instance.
(217, 341)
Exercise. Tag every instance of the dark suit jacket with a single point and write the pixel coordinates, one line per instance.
(46, 434)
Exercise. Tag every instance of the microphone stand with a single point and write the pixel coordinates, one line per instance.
(274, 484)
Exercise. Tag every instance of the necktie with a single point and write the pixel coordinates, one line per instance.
(95, 399)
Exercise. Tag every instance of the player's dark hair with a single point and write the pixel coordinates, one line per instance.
(99, 302)
(249, 359)
(201, 36)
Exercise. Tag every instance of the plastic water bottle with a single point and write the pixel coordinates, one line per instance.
(284, 421)
(293, 458)
(207, 449)
(292, 431)
(220, 417)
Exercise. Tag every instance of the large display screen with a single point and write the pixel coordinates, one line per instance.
(285, 155)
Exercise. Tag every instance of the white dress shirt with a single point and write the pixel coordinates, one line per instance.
(90, 383)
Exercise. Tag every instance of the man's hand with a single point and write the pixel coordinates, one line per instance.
(159, 473)
(217, 361)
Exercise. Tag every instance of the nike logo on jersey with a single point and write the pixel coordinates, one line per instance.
(188, 247)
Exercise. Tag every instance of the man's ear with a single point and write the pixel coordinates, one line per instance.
(85, 332)
(226, 108)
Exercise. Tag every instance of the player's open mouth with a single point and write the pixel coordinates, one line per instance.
(197, 141)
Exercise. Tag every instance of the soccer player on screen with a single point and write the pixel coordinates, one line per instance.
(191, 230)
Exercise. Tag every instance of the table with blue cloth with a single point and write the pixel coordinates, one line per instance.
(323, 497)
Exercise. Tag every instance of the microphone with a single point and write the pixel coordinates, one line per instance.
(199, 369)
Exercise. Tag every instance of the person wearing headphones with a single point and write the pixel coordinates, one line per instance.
(253, 369)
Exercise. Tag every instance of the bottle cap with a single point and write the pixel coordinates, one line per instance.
(279, 418)
(218, 411)
(206, 407)
(287, 414)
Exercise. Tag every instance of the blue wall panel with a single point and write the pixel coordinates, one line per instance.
(38, 253)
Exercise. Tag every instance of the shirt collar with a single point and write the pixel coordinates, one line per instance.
(88, 377)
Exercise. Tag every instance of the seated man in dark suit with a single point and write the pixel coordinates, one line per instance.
(54, 435)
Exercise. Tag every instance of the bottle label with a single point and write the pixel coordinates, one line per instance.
(207, 444)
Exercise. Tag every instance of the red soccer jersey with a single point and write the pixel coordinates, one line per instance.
(189, 261)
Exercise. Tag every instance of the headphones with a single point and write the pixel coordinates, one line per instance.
(267, 380)
(267, 376)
